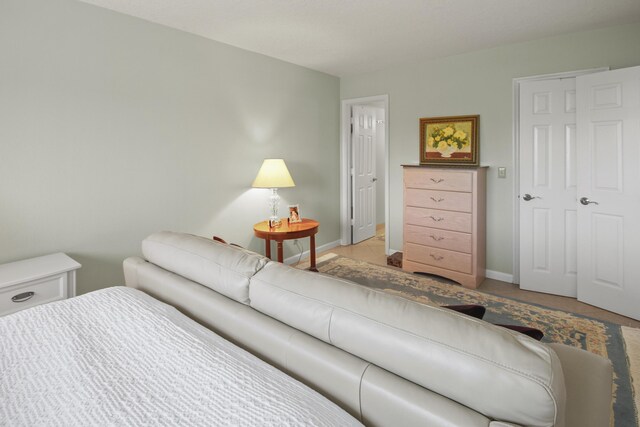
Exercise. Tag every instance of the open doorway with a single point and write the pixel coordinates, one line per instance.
(364, 176)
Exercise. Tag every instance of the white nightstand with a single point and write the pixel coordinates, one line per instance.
(36, 281)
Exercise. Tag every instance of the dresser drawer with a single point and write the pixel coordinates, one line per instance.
(459, 242)
(443, 220)
(440, 258)
(447, 200)
(438, 179)
(44, 290)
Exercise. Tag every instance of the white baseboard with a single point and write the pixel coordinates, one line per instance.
(498, 275)
(393, 251)
(305, 254)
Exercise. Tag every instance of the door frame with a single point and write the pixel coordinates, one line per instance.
(345, 160)
(516, 152)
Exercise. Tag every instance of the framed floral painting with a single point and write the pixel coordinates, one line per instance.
(449, 140)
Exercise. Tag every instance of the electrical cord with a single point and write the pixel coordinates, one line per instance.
(299, 246)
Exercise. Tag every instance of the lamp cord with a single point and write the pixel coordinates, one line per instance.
(299, 245)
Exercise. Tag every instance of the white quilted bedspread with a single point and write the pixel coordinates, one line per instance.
(120, 357)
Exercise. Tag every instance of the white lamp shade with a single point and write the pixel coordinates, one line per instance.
(273, 174)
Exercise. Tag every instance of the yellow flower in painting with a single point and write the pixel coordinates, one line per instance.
(438, 138)
(460, 135)
(448, 131)
(430, 141)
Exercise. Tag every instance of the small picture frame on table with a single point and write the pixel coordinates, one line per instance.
(275, 223)
(294, 214)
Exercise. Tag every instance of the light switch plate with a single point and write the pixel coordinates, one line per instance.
(502, 172)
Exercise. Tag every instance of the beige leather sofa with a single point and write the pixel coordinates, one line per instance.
(386, 360)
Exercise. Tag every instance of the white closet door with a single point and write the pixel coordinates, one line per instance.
(609, 190)
(363, 142)
(548, 258)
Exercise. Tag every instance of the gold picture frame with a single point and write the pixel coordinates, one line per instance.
(449, 140)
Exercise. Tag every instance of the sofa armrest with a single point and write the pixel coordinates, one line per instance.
(588, 380)
(130, 267)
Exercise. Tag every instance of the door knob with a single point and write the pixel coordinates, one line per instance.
(528, 197)
(374, 179)
(585, 201)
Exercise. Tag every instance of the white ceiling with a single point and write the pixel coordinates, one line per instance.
(346, 37)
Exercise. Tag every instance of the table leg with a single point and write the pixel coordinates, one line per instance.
(312, 252)
(267, 249)
(280, 251)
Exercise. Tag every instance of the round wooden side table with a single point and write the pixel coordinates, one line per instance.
(289, 231)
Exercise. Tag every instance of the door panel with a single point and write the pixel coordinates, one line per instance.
(607, 155)
(609, 174)
(571, 174)
(541, 240)
(541, 153)
(548, 173)
(607, 249)
(570, 242)
(363, 142)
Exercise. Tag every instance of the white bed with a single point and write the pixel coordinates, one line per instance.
(120, 357)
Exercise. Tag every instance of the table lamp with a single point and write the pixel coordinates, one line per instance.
(273, 174)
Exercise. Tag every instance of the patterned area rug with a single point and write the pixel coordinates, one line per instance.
(618, 343)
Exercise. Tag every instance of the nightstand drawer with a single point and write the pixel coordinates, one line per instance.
(438, 179)
(29, 294)
(447, 200)
(444, 220)
(439, 258)
(452, 240)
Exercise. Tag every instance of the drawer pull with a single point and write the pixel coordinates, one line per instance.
(436, 218)
(436, 257)
(25, 296)
(437, 181)
(436, 238)
(438, 200)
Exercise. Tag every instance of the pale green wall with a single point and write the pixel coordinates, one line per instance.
(481, 83)
(112, 128)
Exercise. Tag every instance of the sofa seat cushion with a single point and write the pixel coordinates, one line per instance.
(225, 269)
(500, 373)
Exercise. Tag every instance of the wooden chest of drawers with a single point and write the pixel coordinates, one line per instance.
(444, 222)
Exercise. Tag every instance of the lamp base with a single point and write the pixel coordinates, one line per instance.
(274, 199)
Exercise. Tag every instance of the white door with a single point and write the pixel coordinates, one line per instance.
(548, 259)
(363, 168)
(609, 190)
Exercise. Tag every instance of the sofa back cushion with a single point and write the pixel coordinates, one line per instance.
(501, 374)
(225, 269)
